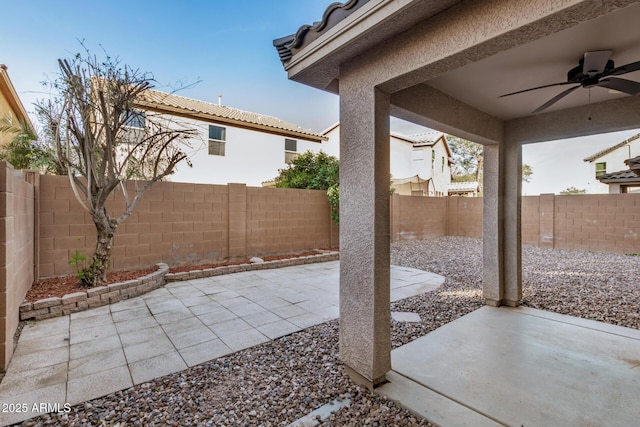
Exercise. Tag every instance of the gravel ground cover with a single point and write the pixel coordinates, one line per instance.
(278, 382)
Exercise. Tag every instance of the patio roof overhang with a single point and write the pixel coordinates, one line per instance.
(458, 54)
(445, 64)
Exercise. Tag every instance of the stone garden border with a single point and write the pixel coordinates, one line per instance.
(102, 295)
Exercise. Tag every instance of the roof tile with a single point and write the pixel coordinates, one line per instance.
(612, 148)
(189, 106)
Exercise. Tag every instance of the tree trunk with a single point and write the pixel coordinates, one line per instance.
(479, 169)
(96, 271)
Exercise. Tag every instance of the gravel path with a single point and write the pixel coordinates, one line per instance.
(278, 382)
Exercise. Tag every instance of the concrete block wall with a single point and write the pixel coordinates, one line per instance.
(283, 220)
(598, 222)
(601, 223)
(173, 223)
(417, 217)
(530, 220)
(181, 224)
(464, 216)
(17, 224)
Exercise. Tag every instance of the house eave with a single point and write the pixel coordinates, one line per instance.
(175, 111)
(621, 181)
(10, 94)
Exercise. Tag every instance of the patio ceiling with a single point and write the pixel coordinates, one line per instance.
(542, 62)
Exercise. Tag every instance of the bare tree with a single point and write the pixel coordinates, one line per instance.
(468, 157)
(101, 139)
(469, 160)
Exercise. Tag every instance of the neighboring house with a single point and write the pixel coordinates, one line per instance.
(610, 165)
(420, 164)
(10, 105)
(625, 181)
(232, 145)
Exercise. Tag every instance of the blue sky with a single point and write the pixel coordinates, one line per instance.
(227, 46)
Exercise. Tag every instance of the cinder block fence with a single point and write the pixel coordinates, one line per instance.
(181, 224)
(18, 205)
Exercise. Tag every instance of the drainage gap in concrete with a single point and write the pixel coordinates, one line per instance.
(404, 316)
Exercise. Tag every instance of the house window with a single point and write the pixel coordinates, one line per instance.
(133, 126)
(443, 164)
(217, 140)
(290, 150)
(601, 168)
(135, 120)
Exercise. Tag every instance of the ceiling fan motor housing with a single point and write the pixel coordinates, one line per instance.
(577, 74)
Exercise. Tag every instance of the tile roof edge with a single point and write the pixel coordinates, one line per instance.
(285, 45)
(198, 114)
(611, 149)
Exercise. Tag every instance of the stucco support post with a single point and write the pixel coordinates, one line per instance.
(512, 224)
(502, 263)
(365, 341)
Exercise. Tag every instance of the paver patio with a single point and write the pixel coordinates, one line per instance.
(89, 354)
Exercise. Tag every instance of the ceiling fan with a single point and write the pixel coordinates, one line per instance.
(594, 69)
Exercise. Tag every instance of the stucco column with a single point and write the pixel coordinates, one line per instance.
(502, 263)
(512, 224)
(492, 228)
(365, 342)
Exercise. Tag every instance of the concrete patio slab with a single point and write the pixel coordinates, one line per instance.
(128, 325)
(45, 328)
(191, 337)
(44, 343)
(94, 363)
(128, 314)
(244, 339)
(156, 366)
(204, 351)
(147, 349)
(142, 335)
(41, 359)
(89, 354)
(98, 384)
(87, 348)
(218, 316)
(278, 329)
(229, 327)
(520, 367)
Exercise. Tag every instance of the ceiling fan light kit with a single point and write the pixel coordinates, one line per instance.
(594, 69)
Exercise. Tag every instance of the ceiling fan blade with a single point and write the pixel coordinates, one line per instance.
(621, 85)
(535, 88)
(624, 69)
(595, 62)
(555, 99)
